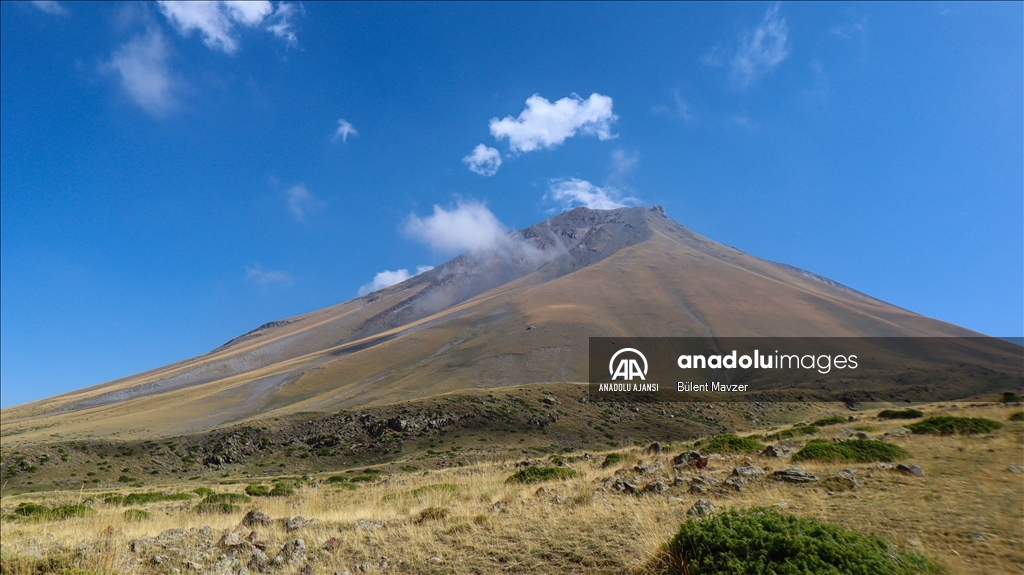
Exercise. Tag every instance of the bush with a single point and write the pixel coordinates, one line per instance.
(728, 443)
(1019, 416)
(900, 414)
(67, 511)
(534, 474)
(360, 478)
(765, 541)
(203, 491)
(1011, 397)
(126, 479)
(282, 489)
(204, 508)
(431, 514)
(135, 514)
(850, 451)
(143, 498)
(834, 420)
(257, 490)
(409, 468)
(949, 425)
(337, 479)
(29, 509)
(612, 459)
(227, 498)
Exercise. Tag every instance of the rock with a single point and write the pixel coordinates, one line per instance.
(735, 483)
(293, 552)
(258, 562)
(626, 486)
(255, 518)
(794, 475)
(307, 570)
(331, 545)
(655, 487)
(749, 472)
(1015, 468)
(549, 400)
(702, 508)
(159, 559)
(780, 450)
(898, 432)
(845, 480)
(852, 434)
(654, 448)
(193, 566)
(641, 467)
(297, 523)
(680, 480)
(698, 489)
(231, 540)
(910, 469)
(690, 459)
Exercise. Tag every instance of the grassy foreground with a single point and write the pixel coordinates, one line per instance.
(965, 513)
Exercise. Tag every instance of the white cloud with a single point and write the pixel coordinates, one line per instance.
(50, 7)
(546, 125)
(762, 50)
(217, 22)
(264, 277)
(467, 227)
(573, 192)
(301, 201)
(483, 160)
(388, 278)
(345, 129)
(141, 64)
(623, 163)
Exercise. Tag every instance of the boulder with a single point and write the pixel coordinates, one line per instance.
(256, 518)
(910, 469)
(794, 475)
(702, 508)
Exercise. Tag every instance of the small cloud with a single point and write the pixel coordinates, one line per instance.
(573, 192)
(713, 57)
(467, 227)
(388, 278)
(50, 7)
(762, 50)
(345, 129)
(483, 160)
(851, 31)
(622, 163)
(301, 201)
(218, 22)
(545, 125)
(741, 121)
(263, 277)
(141, 64)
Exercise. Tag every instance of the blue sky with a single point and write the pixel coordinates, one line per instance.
(175, 175)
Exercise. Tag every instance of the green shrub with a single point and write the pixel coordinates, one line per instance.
(337, 479)
(431, 514)
(765, 541)
(282, 489)
(257, 490)
(900, 414)
(1019, 416)
(534, 474)
(834, 420)
(949, 425)
(203, 491)
(29, 509)
(409, 468)
(850, 451)
(1011, 397)
(447, 488)
(143, 498)
(136, 514)
(729, 443)
(612, 459)
(126, 479)
(67, 511)
(360, 478)
(204, 508)
(227, 498)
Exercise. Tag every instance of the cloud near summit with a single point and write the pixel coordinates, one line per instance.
(469, 226)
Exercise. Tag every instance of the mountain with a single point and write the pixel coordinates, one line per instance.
(519, 311)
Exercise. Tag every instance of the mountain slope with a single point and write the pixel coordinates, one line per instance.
(518, 312)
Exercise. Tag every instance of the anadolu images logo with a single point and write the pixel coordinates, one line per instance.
(627, 368)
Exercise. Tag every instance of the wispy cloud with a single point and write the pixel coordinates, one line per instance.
(623, 163)
(388, 278)
(301, 201)
(141, 65)
(258, 275)
(483, 160)
(573, 192)
(762, 50)
(851, 31)
(345, 129)
(218, 22)
(470, 225)
(545, 125)
(51, 7)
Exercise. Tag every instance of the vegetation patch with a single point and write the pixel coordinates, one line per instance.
(762, 540)
(1019, 416)
(257, 490)
(534, 474)
(900, 414)
(136, 514)
(337, 479)
(203, 491)
(729, 443)
(431, 514)
(210, 508)
(612, 459)
(834, 420)
(850, 451)
(282, 489)
(143, 498)
(226, 498)
(950, 425)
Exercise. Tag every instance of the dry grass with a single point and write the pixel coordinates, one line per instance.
(966, 512)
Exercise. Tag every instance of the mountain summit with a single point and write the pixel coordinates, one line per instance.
(518, 311)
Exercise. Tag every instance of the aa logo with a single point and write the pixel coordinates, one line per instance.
(627, 368)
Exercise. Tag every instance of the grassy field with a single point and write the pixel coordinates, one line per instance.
(966, 512)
